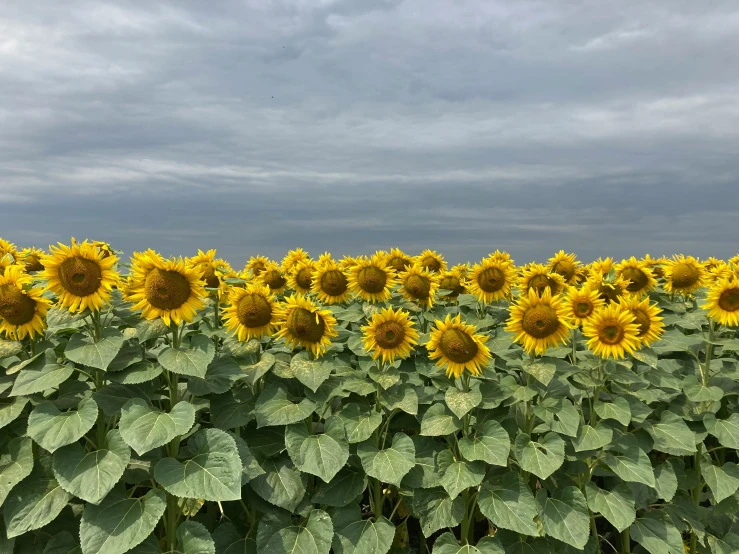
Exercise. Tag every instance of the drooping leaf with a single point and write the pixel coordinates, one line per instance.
(447, 544)
(656, 533)
(111, 398)
(40, 373)
(33, 503)
(16, 463)
(11, 408)
(488, 443)
(438, 421)
(509, 504)
(435, 510)
(672, 435)
(632, 466)
(84, 350)
(426, 473)
(359, 424)
(190, 359)
(62, 543)
(321, 454)
(228, 541)
(277, 535)
(194, 538)
(390, 464)
(137, 373)
(564, 516)
(725, 430)
(281, 484)
(543, 457)
(616, 504)
(618, 409)
(253, 372)
(342, 489)
(460, 402)
(144, 427)
(52, 429)
(230, 410)
(354, 535)
(220, 376)
(722, 480)
(665, 480)
(458, 475)
(274, 408)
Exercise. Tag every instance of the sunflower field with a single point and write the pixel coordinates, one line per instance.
(366, 405)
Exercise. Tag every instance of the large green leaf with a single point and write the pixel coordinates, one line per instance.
(40, 373)
(9, 348)
(277, 535)
(281, 484)
(342, 489)
(274, 408)
(447, 544)
(312, 373)
(489, 443)
(665, 479)
(11, 408)
(672, 435)
(543, 370)
(509, 504)
(16, 463)
(228, 541)
(543, 457)
(191, 359)
(354, 535)
(136, 373)
(92, 475)
(36, 501)
(111, 398)
(722, 480)
(656, 533)
(230, 410)
(120, 523)
(616, 504)
(435, 510)
(222, 373)
(592, 438)
(389, 465)
(564, 516)
(633, 466)
(458, 475)
(322, 454)
(62, 543)
(253, 372)
(359, 424)
(438, 421)
(193, 538)
(84, 350)
(729, 544)
(425, 474)
(725, 430)
(401, 397)
(619, 410)
(144, 427)
(212, 473)
(460, 402)
(52, 429)
(250, 468)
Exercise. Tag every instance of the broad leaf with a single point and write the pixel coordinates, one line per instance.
(354, 535)
(281, 484)
(592, 438)
(276, 535)
(447, 544)
(633, 466)
(62, 543)
(509, 504)
(665, 480)
(435, 510)
(725, 430)
(11, 408)
(672, 435)
(458, 475)
(564, 516)
(347, 485)
(193, 538)
(359, 424)
(312, 373)
(542, 458)
(323, 454)
(722, 480)
(16, 463)
(36, 501)
(40, 373)
(274, 408)
(222, 373)
(619, 410)
(191, 359)
(84, 350)
(616, 504)
(144, 427)
(489, 443)
(656, 533)
(52, 429)
(438, 421)
(389, 465)
(460, 402)
(136, 373)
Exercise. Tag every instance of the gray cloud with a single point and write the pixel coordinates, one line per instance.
(254, 127)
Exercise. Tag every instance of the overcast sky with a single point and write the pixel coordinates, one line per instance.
(254, 126)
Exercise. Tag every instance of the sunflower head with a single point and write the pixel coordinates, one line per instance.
(610, 286)
(104, 248)
(398, 260)
(431, 260)
(565, 265)
(462, 271)
(538, 277)
(419, 285)
(348, 262)
(612, 331)
(31, 259)
(501, 256)
(80, 274)
(303, 323)
(457, 348)
(252, 312)
(684, 275)
(582, 302)
(292, 259)
(646, 317)
(329, 282)
(301, 279)
(204, 264)
(452, 281)
(6, 261)
(390, 334)
(7, 247)
(722, 301)
(638, 274)
(371, 279)
(256, 265)
(539, 321)
(601, 266)
(273, 277)
(22, 307)
(492, 279)
(720, 271)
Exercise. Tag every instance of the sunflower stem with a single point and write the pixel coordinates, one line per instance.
(696, 494)
(574, 346)
(626, 540)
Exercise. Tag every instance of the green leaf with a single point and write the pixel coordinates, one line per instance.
(40, 373)
(274, 408)
(253, 372)
(212, 473)
(193, 538)
(729, 544)
(136, 373)
(425, 474)
(359, 424)
(111, 398)
(346, 485)
(509, 504)
(560, 415)
(632, 466)
(147, 329)
(447, 544)
(390, 464)
(672, 435)
(489, 443)
(565, 517)
(619, 410)
(62, 543)
(541, 370)
(323, 454)
(698, 392)
(92, 475)
(9, 348)
(385, 378)
(592, 438)
(725, 430)
(52, 429)
(401, 397)
(16, 463)
(541, 458)
(33, 503)
(84, 350)
(11, 408)
(458, 475)
(277, 536)
(119, 523)
(228, 541)
(222, 373)
(144, 427)
(437, 421)
(665, 480)
(354, 535)
(723, 481)
(281, 484)
(191, 360)
(616, 504)
(250, 468)
(656, 533)
(229, 411)
(312, 373)
(435, 510)
(460, 402)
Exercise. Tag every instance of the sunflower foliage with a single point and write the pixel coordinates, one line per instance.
(190, 408)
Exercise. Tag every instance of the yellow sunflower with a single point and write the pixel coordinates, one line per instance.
(371, 279)
(419, 285)
(538, 277)
(582, 302)
(256, 265)
(301, 279)
(347, 262)
(329, 283)
(292, 259)
(684, 275)
(252, 312)
(273, 277)
(640, 277)
(656, 265)
(582, 275)
(647, 318)
(734, 261)
(457, 347)
(431, 260)
(167, 289)
(80, 274)
(7, 247)
(398, 260)
(492, 279)
(6, 261)
(22, 308)
(454, 281)
(213, 271)
(501, 256)
(712, 262)
(389, 334)
(602, 266)
(722, 301)
(31, 258)
(720, 271)
(460, 270)
(539, 321)
(612, 331)
(304, 323)
(103, 247)
(565, 265)
(610, 287)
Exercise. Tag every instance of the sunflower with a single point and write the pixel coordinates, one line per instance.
(303, 323)
(292, 259)
(256, 265)
(457, 347)
(429, 259)
(538, 277)
(103, 247)
(655, 264)
(371, 279)
(539, 321)
(22, 308)
(712, 262)
(419, 285)
(273, 277)
(501, 257)
(610, 287)
(640, 277)
(301, 279)
(167, 289)
(720, 271)
(454, 281)
(31, 258)
(734, 261)
(612, 331)
(492, 279)
(582, 302)
(329, 283)
(565, 265)
(213, 271)
(582, 274)
(647, 319)
(7, 247)
(252, 312)
(347, 262)
(460, 270)
(684, 275)
(389, 334)
(722, 301)
(6, 261)
(80, 274)
(398, 260)
(601, 265)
